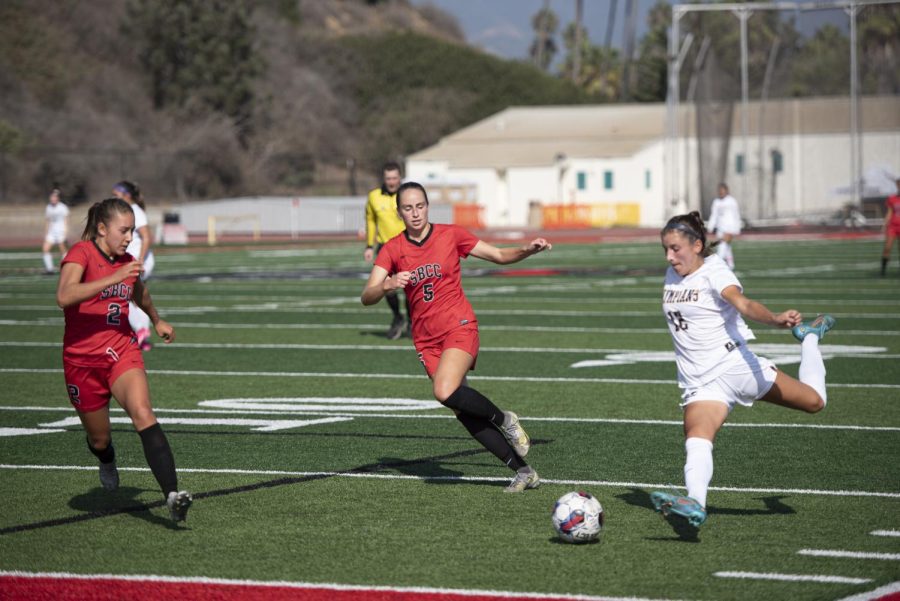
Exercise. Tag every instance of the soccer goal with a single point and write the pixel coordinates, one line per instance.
(235, 225)
(793, 104)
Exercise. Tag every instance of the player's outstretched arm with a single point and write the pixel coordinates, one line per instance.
(757, 311)
(505, 256)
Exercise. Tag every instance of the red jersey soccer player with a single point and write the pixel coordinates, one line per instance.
(424, 261)
(101, 358)
(891, 226)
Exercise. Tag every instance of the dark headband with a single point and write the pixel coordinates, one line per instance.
(683, 228)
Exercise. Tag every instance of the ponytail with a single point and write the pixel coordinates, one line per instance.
(102, 212)
(691, 226)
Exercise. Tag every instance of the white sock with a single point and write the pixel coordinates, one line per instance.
(723, 249)
(48, 261)
(812, 367)
(698, 468)
(137, 318)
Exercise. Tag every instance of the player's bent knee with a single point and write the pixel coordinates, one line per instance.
(99, 441)
(443, 390)
(815, 405)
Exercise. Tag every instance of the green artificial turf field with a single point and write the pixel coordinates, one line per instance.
(316, 454)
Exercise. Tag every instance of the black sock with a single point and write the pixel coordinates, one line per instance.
(491, 439)
(470, 401)
(107, 455)
(159, 458)
(884, 262)
(394, 303)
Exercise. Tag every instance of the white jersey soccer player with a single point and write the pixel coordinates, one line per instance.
(57, 217)
(705, 306)
(725, 222)
(139, 248)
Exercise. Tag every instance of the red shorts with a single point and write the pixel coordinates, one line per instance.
(90, 388)
(464, 338)
(893, 230)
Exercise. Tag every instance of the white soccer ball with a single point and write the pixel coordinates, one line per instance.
(577, 517)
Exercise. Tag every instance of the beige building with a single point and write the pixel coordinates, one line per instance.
(606, 164)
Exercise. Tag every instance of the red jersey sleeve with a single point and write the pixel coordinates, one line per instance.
(385, 258)
(465, 240)
(77, 254)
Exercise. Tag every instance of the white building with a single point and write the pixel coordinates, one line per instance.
(605, 165)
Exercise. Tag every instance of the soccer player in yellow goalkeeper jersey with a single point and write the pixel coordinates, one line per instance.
(382, 224)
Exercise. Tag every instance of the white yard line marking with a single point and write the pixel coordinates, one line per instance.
(287, 374)
(58, 321)
(666, 355)
(250, 409)
(885, 533)
(320, 585)
(369, 475)
(258, 425)
(792, 577)
(849, 554)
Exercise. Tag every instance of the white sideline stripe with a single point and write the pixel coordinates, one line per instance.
(878, 593)
(318, 585)
(792, 577)
(574, 420)
(56, 321)
(322, 374)
(393, 347)
(885, 533)
(367, 475)
(849, 554)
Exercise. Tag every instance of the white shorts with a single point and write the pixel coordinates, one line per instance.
(740, 385)
(55, 236)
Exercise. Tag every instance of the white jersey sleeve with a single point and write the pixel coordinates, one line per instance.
(706, 329)
(140, 220)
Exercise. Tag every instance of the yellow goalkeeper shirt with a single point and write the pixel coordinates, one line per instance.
(382, 220)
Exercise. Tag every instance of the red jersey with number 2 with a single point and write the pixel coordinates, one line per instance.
(436, 300)
(97, 327)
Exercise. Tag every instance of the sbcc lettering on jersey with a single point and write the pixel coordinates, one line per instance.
(423, 272)
(120, 290)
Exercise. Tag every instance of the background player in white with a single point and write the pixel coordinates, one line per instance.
(57, 231)
(140, 250)
(703, 302)
(725, 222)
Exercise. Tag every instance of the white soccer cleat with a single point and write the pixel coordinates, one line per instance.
(514, 434)
(178, 504)
(524, 480)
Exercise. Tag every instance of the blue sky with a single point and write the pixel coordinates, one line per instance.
(503, 27)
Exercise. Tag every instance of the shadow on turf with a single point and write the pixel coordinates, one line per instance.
(122, 500)
(97, 503)
(687, 533)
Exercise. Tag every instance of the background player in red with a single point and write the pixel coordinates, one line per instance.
(425, 261)
(101, 357)
(891, 226)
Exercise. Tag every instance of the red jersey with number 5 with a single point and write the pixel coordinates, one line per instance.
(98, 327)
(436, 300)
(893, 203)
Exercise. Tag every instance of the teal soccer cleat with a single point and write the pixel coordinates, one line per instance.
(686, 507)
(818, 326)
